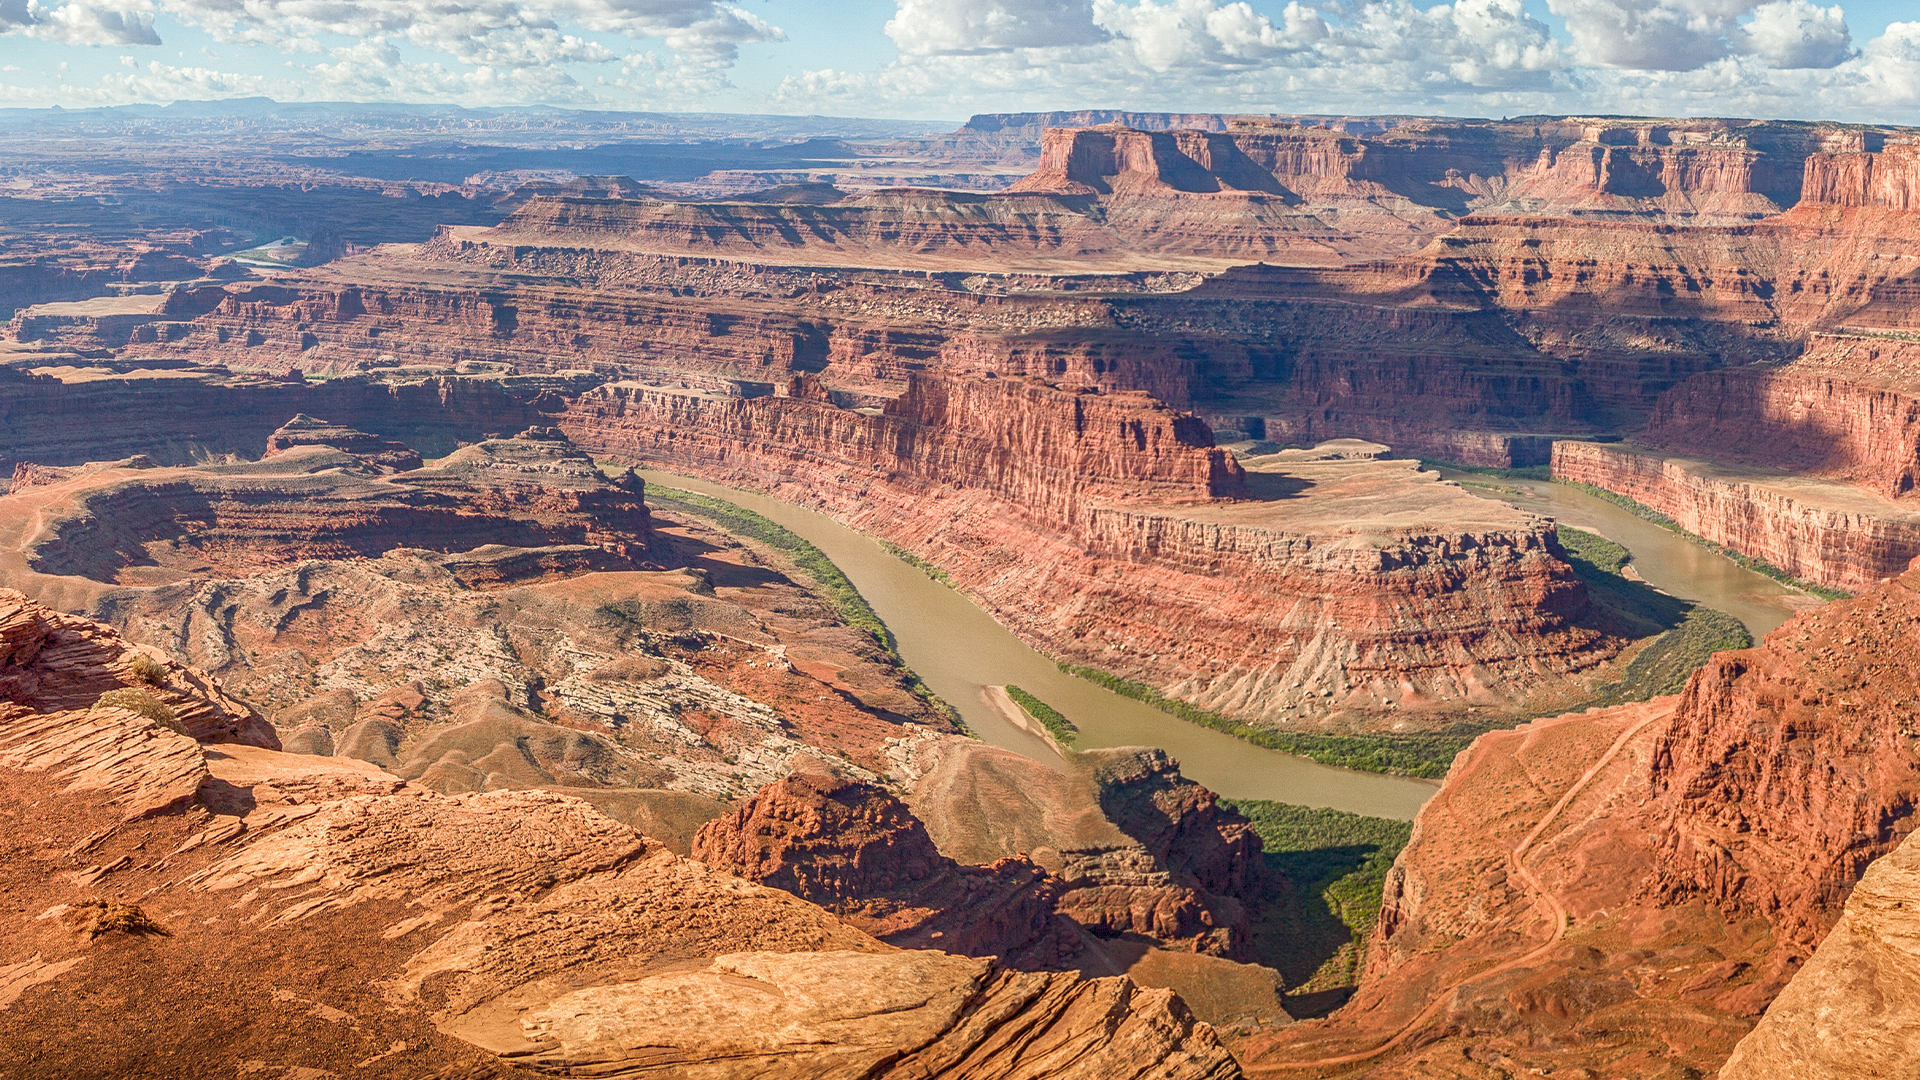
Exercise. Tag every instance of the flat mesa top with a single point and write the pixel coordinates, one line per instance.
(133, 304)
(1332, 489)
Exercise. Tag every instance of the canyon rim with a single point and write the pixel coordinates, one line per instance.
(464, 576)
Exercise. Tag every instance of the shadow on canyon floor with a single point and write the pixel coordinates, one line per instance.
(1271, 487)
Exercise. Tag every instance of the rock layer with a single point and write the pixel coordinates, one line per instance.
(1624, 891)
(496, 931)
(857, 851)
(1831, 534)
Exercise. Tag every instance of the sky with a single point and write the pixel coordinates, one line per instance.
(948, 59)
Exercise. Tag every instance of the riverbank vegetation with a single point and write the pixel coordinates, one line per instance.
(1688, 633)
(1425, 755)
(1052, 719)
(1327, 873)
(832, 585)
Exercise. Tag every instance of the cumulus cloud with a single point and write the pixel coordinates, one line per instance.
(1682, 35)
(500, 33)
(1797, 34)
(946, 27)
(79, 22)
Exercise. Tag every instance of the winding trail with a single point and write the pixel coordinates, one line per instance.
(1549, 904)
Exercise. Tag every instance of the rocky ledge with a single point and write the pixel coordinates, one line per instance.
(1828, 532)
(434, 935)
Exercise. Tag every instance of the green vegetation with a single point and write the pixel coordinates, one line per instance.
(848, 604)
(1665, 666)
(1688, 633)
(1332, 866)
(1602, 553)
(1057, 725)
(836, 589)
(148, 670)
(1427, 755)
(145, 704)
(918, 563)
(1758, 566)
(1529, 472)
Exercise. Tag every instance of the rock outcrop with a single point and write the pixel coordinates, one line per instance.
(1849, 1012)
(857, 851)
(304, 430)
(56, 663)
(462, 934)
(1140, 851)
(1626, 890)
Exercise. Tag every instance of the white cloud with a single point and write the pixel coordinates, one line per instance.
(940, 27)
(1682, 35)
(490, 33)
(78, 22)
(1786, 58)
(1797, 34)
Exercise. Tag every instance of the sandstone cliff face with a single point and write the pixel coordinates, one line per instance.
(491, 933)
(1889, 177)
(1782, 817)
(1848, 1013)
(1826, 534)
(1625, 890)
(1848, 408)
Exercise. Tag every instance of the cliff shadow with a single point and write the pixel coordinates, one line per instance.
(1684, 635)
(1298, 931)
(1273, 486)
(723, 571)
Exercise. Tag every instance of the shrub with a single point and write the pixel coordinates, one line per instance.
(148, 670)
(145, 704)
(95, 918)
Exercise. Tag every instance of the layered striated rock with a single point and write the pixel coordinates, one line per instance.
(1624, 891)
(52, 662)
(1888, 177)
(304, 430)
(1832, 534)
(1849, 1011)
(1140, 852)
(1847, 409)
(474, 934)
(1356, 587)
(857, 851)
(501, 509)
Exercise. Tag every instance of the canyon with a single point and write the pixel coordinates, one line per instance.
(444, 712)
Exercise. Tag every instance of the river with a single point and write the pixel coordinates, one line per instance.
(1666, 560)
(960, 651)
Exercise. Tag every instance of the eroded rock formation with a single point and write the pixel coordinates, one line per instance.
(857, 851)
(1626, 890)
(487, 933)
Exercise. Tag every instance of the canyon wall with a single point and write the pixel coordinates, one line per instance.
(1826, 534)
(1064, 516)
(1625, 891)
(1887, 178)
(1848, 409)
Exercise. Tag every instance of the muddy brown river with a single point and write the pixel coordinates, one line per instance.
(960, 651)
